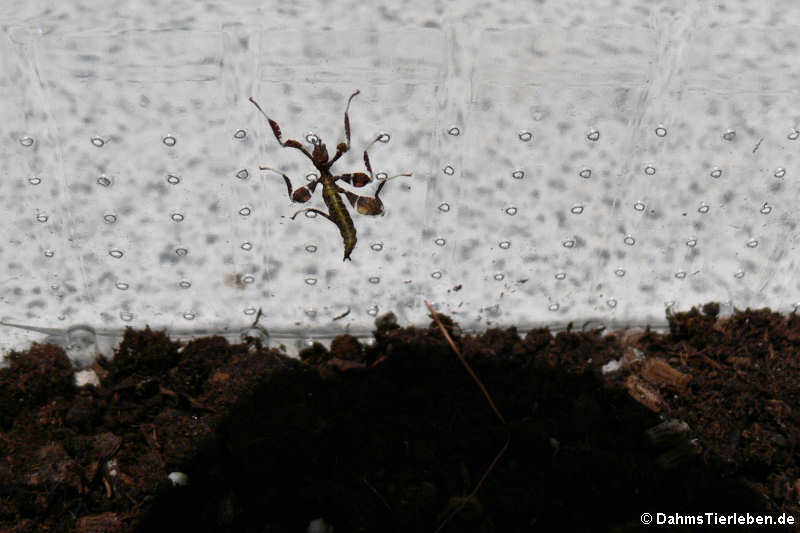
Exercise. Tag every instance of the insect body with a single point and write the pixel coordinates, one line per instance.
(331, 191)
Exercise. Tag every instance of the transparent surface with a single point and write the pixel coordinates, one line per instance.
(563, 170)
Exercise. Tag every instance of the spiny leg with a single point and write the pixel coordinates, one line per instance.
(276, 130)
(344, 147)
(312, 210)
(301, 194)
(369, 205)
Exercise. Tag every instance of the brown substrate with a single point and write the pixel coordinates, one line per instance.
(392, 436)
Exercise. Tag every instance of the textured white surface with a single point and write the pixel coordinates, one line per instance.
(573, 161)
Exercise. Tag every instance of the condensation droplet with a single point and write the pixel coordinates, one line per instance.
(34, 180)
(189, 315)
(41, 217)
(181, 252)
(381, 176)
(173, 179)
(585, 173)
(440, 242)
(98, 141)
(568, 243)
(373, 310)
(311, 281)
(116, 254)
(716, 172)
(26, 141)
(104, 180)
(794, 134)
(766, 209)
(680, 274)
(121, 285)
(246, 246)
(377, 246)
(177, 217)
(518, 174)
(661, 131)
(312, 138)
(311, 176)
(691, 243)
(125, 316)
(311, 248)
(780, 172)
(729, 135)
(704, 207)
(311, 313)
(553, 307)
(449, 170)
(109, 218)
(649, 170)
(629, 240)
(752, 243)
(384, 138)
(374, 280)
(612, 303)
(593, 135)
(577, 209)
(243, 174)
(525, 136)
(739, 274)
(454, 131)
(561, 275)
(246, 212)
(248, 279)
(499, 277)
(49, 253)
(184, 284)
(310, 214)
(639, 206)
(511, 211)
(436, 275)
(444, 207)
(620, 272)
(240, 134)
(505, 245)
(169, 140)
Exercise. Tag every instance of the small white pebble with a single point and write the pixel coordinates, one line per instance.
(178, 479)
(611, 366)
(86, 377)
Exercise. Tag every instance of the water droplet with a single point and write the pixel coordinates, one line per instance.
(639, 206)
(377, 246)
(97, 141)
(311, 313)
(311, 214)
(612, 303)
(436, 275)
(780, 172)
(499, 277)
(505, 245)
(585, 173)
(116, 254)
(243, 174)
(518, 174)
(766, 209)
(374, 280)
(240, 134)
(620, 272)
(104, 180)
(752, 243)
(184, 284)
(41, 217)
(125, 316)
(311, 281)
(680, 274)
(311, 248)
(246, 246)
(661, 131)
(34, 180)
(49, 253)
(593, 135)
(444, 207)
(312, 138)
(553, 307)
(704, 207)
(381, 176)
(577, 209)
(629, 240)
(716, 172)
(691, 243)
(311, 177)
(739, 274)
(173, 179)
(568, 243)
(794, 134)
(511, 211)
(525, 136)
(729, 135)
(373, 310)
(649, 170)
(440, 242)
(454, 131)
(448, 170)
(121, 285)
(248, 279)
(177, 217)
(246, 212)
(109, 218)
(169, 140)
(181, 252)
(561, 275)
(384, 138)
(189, 315)
(26, 141)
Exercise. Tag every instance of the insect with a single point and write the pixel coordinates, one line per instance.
(331, 191)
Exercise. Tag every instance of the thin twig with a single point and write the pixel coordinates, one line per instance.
(494, 408)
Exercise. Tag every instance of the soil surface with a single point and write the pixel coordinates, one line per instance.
(392, 436)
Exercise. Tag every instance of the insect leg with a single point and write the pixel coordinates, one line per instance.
(276, 130)
(344, 147)
(369, 205)
(301, 194)
(311, 209)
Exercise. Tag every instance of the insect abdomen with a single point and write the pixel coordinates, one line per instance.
(341, 217)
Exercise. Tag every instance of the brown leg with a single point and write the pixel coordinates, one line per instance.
(344, 147)
(317, 211)
(369, 205)
(276, 130)
(301, 194)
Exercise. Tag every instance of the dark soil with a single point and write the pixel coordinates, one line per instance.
(393, 436)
